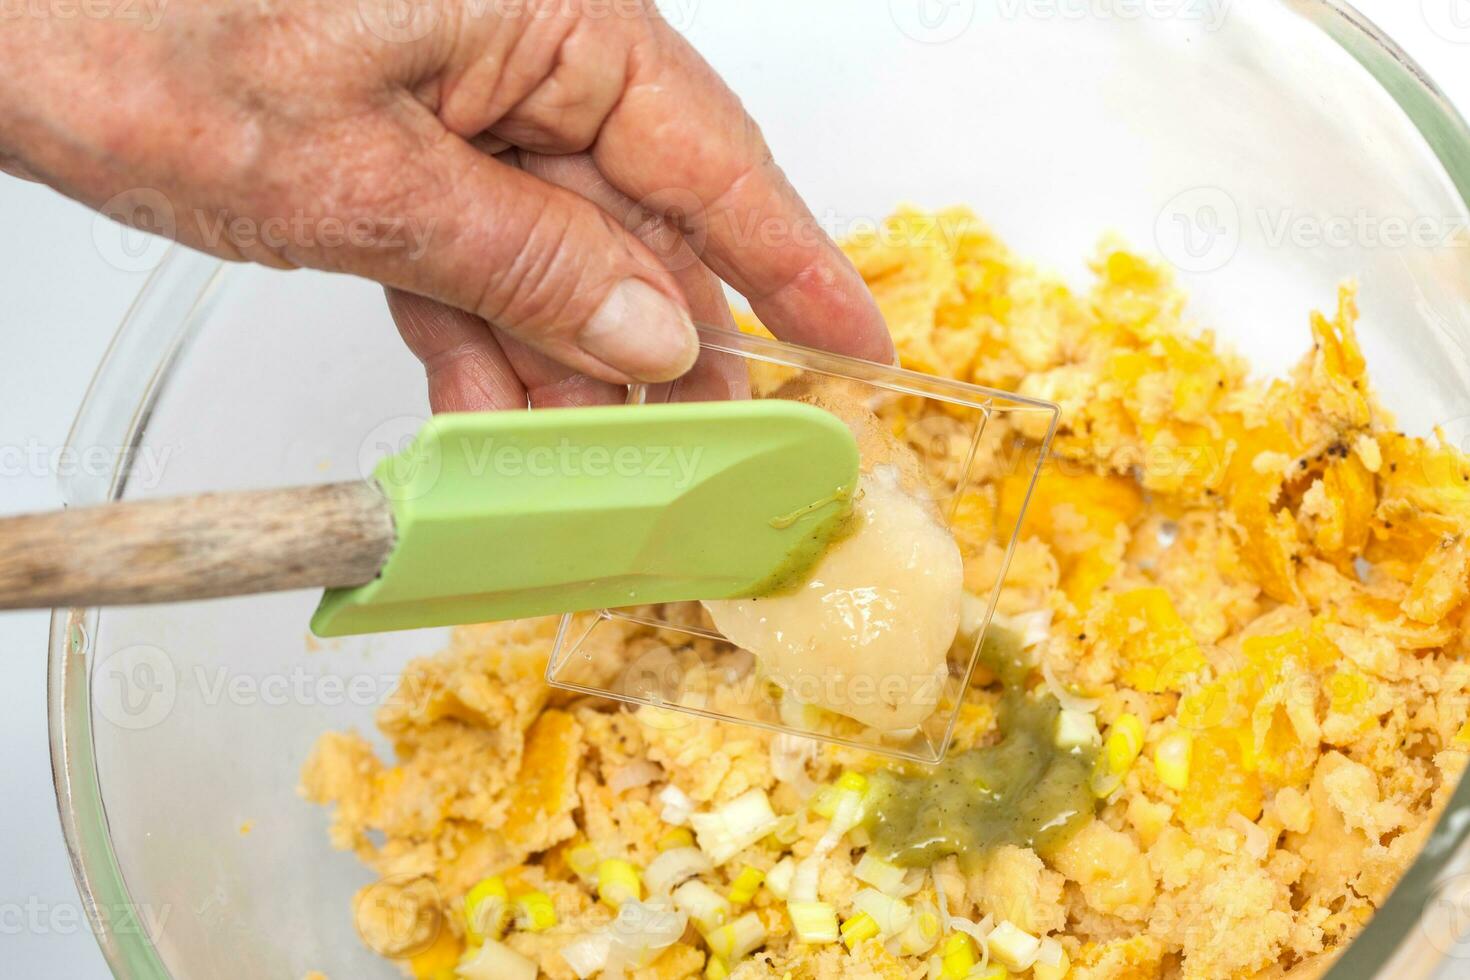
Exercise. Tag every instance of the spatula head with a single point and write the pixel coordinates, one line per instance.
(503, 515)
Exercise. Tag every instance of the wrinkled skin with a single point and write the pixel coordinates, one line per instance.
(550, 190)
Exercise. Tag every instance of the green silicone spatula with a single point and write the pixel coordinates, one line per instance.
(484, 517)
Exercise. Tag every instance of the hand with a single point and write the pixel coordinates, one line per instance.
(550, 188)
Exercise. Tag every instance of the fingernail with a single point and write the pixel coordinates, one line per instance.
(640, 331)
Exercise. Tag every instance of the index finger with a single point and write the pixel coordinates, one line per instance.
(679, 142)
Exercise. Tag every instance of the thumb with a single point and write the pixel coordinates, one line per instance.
(539, 262)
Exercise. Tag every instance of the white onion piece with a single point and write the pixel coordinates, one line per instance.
(589, 954)
(674, 867)
(1068, 700)
(804, 881)
(893, 915)
(912, 883)
(849, 814)
(1257, 841)
(725, 832)
(1034, 627)
(639, 772)
(678, 807)
(977, 931)
(643, 930)
(495, 961)
(941, 900)
(1050, 953)
(789, 757)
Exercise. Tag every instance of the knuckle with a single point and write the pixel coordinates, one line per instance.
(538, 288)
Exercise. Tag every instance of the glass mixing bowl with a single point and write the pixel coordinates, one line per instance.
(1267, 149)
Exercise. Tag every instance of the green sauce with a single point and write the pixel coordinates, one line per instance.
(842, 495)
(1022, 790)
(827, 521)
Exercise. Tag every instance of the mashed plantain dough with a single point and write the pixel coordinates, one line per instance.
(868, 633)
(1263, 581)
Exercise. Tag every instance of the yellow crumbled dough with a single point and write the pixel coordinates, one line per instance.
(1263, 576)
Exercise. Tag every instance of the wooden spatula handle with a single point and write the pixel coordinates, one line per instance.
(201, 547)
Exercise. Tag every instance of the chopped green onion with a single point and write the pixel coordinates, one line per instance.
(707, 908)
(922, 932)
(583, 860)
(1125, 742)
(675, 839)
(1171, 759)
(887, 878)
(824, 801)
(493, 961)
(735, 940)
(617, 882)
(745, 885)
(672, 868)
(892, 915)
(1051, 961)
(1013, 947)
(778, 879)
(804, 881)
(958, 956)
(725, 832)
(486, 909)
(535, 912)
(677, 805)
(858, 929)
(1076, 729)
(814, 922)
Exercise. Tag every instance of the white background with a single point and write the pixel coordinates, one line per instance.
(62, 301)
